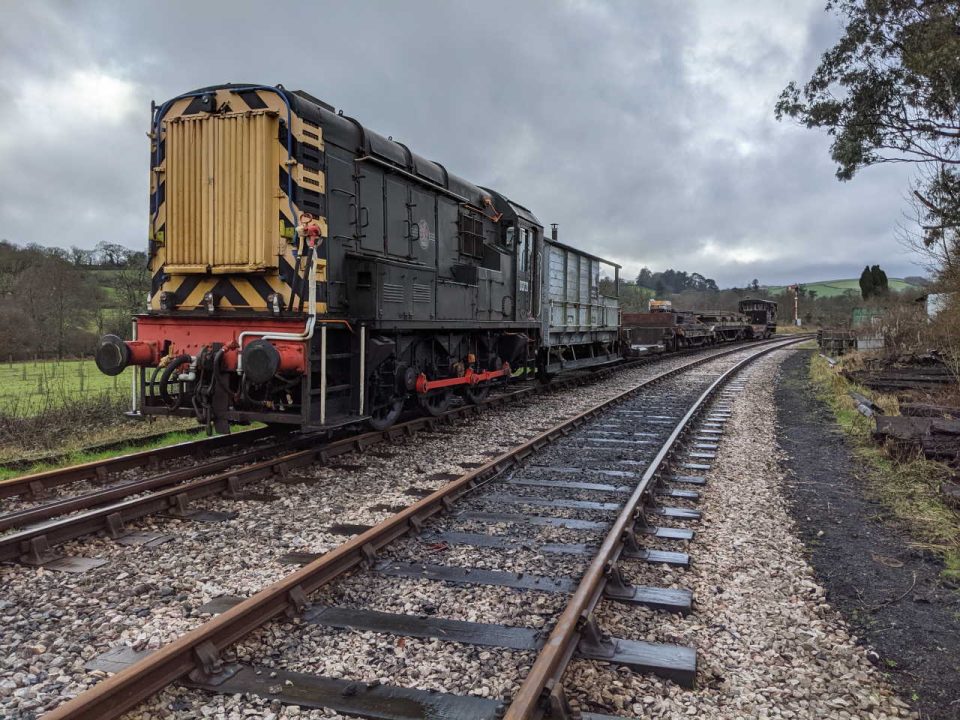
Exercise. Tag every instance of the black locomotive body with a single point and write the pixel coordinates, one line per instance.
(443, 273)
(309, 271)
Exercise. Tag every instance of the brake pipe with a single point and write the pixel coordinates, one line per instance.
(470, 377)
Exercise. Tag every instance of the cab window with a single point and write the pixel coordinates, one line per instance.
(523, 250)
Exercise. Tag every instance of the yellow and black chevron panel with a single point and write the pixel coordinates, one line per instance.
(232, 170)
(232, 291)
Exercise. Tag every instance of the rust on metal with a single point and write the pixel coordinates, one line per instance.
(26, 484)
(35, 484)
(550, 663)
(121, 692)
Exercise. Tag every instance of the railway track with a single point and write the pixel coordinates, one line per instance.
(610, 474)
(36, 485)
(31, 532)
(124, 446)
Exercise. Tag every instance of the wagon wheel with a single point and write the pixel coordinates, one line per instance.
(386, 415)
(476, 394)
(436, 403)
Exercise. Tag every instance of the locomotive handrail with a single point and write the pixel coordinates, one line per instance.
(411, 176)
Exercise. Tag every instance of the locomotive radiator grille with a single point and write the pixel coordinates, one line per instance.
(422, 294)
(392, 293)
(222, 193)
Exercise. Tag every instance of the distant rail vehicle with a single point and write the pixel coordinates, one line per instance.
(761, 314)
(663, 330)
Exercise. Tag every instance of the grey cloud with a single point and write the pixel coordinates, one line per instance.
(584, 112)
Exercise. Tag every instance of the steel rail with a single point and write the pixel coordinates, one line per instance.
(85, 501)
(131, 444)
(547, 670)
(107, 510)
(33, 542)
(91, 522)
(36, 483)
(199, 648)
(62, 506)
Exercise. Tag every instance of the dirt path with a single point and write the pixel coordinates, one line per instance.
(889, 593)
(768, 644)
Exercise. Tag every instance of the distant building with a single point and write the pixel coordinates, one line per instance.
(862, 317)
(934, 303)
(868, 326)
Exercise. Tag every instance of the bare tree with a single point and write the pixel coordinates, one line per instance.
(132, 282)
(79, 256)
(58, 299)
(931, 230)
(112, 254)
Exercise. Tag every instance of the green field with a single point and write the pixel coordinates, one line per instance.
(833, 288)
(27, 388)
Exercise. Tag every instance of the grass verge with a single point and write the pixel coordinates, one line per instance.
(30, 388)
(82, 456)
(909, 488)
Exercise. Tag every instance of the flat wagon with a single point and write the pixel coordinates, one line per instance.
(761, 315)
(726, 326)
(662, 330)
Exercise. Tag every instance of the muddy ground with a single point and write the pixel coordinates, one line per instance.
(889, 593)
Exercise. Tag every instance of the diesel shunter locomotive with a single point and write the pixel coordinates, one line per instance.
(308, 271)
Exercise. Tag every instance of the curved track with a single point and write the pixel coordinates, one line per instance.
(32, 531)
(622, 447)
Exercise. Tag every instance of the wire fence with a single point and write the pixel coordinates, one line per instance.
(32, 387)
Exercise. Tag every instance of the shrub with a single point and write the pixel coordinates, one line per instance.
(60, 419)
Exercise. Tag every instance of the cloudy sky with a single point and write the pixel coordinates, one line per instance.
(645, 129)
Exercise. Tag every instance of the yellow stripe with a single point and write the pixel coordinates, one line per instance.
(314, 180)
(250, 295)
(195, 299)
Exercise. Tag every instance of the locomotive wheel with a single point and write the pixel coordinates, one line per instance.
(476, 394)
(436, 403)
(386, 415)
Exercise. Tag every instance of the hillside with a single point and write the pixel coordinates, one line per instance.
(833, 288)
